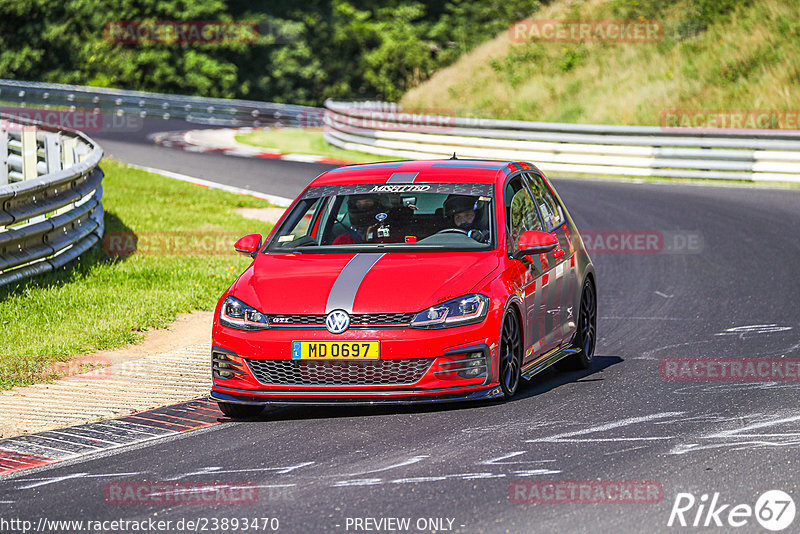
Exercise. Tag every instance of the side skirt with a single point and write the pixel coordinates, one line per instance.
(546, 360)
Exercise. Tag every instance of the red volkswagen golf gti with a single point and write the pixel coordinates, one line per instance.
(403, 282)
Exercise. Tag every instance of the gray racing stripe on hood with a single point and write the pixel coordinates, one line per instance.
(402, 178)
(343, 292)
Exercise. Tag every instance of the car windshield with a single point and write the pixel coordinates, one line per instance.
(398, 217)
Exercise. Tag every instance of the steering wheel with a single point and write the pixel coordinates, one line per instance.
(452, 231)
(475, 234)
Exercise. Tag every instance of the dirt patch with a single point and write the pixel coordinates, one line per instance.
(169, 365)
(188, 329)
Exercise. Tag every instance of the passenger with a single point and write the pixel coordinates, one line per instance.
(362, 210)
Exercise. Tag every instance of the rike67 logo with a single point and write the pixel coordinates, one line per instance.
(774, 510)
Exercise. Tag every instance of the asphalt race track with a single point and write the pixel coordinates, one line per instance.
(276, 177)
(722, 282)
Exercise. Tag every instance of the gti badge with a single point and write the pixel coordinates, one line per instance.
(337, 321)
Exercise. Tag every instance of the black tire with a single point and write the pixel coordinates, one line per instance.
(586, 335)
(240, 411)
(510, 354)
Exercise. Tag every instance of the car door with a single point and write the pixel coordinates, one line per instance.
(523, 215)
(560, 281)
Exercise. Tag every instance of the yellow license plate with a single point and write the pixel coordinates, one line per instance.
(336, 350)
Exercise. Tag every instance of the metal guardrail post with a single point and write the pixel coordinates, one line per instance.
(29, 150)
(3, 152)
(53, 159)
(68, 158)
(52, 151)
(81, 153)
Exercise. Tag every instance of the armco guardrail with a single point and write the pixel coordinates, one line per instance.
(50, 192)
(118, 102)
(382, 128)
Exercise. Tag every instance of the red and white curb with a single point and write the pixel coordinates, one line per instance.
(188, 141)
(282, 202)
(52, 446)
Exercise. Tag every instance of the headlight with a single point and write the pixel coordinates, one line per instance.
(236, 314)
(468, 309)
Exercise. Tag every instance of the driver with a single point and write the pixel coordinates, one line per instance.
(362, 210)
(462, 212)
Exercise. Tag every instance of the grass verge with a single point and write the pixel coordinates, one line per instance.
(304, 141)
(104, 301)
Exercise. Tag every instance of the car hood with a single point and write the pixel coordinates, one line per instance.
(375, 283)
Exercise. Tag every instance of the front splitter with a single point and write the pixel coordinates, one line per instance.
(490, 393)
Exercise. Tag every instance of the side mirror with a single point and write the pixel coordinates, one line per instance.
(535, 242)
(248, 245)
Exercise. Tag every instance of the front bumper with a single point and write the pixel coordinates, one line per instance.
(445, 348)
(401, 398)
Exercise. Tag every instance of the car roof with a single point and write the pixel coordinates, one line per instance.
(426, 171)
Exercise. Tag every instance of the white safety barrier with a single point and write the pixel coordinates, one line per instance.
(384, 129)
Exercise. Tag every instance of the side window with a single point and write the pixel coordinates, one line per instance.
(548, 205)
(302, 230)
(304, 227)
(520, 212)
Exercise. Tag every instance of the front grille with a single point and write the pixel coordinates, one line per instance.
(358, 319)
(381, 318)
(294, 320)
(351, 372)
